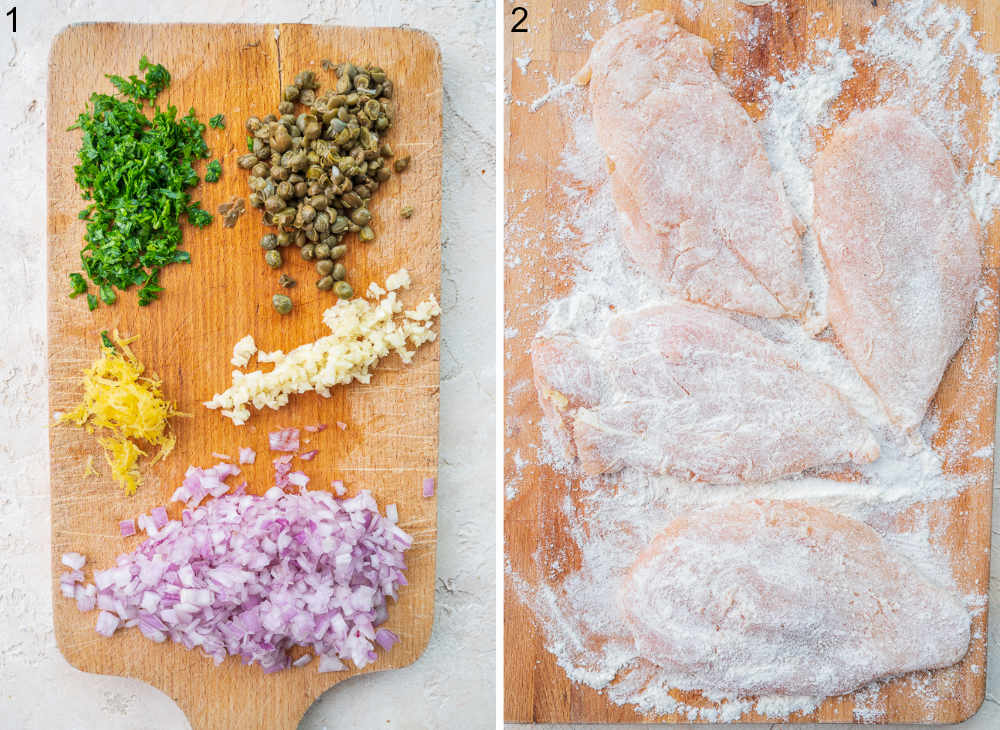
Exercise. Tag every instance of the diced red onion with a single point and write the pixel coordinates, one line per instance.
(386, 638)
(86, 597)
(254, 576)
(247, 455)
(127, 527)
(287, 439)
(107, 623)
(330, 664)
(200, 483)
(308, 455)
(159, 515)
(73, 561)
(429, 487)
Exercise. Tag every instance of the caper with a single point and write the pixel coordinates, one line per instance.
(385, 150)
(343, 84)
(247, 161)
(322, 251)
(306, 214)
(307, 97)
(291, 93)
(337, 252)
(343, 290)
(281, 303)
(324, 267)
(318, 201)
(260, 149)
(401, 164)
(286, 107)
(361, 216)
(339, 272)
(253, 124)
(281, 140)
(269, 242)
(284, 240)
(339, 224)
(273, 204)
(255, 200)
(322, 222)
(352, 200)
(305, 80)
(279, 173)
(307, 251)
(366, 234)
(326, 283)
(273, 258)
(362, 81)
(406, 211)
(286, 281)
(261, 169)
(285, 190)
(383, 174)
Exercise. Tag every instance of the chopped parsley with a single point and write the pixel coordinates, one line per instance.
(79, 285)
(217, 122)
(249, 143)
(136, 171)
(107, 340)
(157, 79)
(214, 171)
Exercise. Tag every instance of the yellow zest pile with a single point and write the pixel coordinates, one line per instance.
(118, 399)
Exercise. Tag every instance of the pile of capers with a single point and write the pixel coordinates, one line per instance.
(314, 173)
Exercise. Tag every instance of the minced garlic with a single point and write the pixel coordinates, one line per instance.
(118, 399)
(363, 332)
(243, 351)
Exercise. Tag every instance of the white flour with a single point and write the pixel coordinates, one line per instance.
(925, 47)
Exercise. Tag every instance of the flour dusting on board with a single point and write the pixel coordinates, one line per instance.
(922, 48)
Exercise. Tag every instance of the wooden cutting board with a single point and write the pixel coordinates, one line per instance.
(390, 441)
(536, 688)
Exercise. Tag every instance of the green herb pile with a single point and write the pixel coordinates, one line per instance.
(137, 172)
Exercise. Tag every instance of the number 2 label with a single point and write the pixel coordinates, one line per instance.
(521, 14)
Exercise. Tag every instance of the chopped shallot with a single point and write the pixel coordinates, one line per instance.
(287, 439)
(255, 576)
(73, 561)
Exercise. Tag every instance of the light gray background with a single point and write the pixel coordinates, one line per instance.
(452, 684)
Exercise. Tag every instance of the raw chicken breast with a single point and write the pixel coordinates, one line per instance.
(771, 597)
(675, 388)
(701, 209)
(902, 249)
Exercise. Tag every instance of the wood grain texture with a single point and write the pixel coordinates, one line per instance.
(536, 688)
(390, 443)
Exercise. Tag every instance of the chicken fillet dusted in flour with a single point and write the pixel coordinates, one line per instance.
(679, 389)
(771, 597)
(701, 209)
(902, 248)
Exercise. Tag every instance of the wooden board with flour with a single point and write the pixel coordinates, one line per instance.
(775, 57)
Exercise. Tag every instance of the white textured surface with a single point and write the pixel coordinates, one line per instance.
(452, 684)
